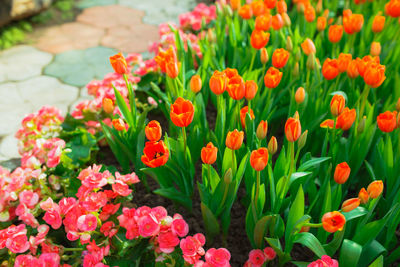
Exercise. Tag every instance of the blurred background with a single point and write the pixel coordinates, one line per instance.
(50, 49)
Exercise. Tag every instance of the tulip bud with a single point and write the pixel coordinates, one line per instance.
(211, 36)
(375, 49)
(273, 146)
(337, 105)
(298, 55)
(342, 173)
(262, 130)
(363, 196)
(398, 120)
(300, 7)
(300, 95)
(296, 70)
(311, 64)
(195, 83)
(318, 8)
(108, 105)
(235, 4)
(350, 204)
(264, 56)
(398, 105)
(251, 89)
(286, 19)
(118, 124)
(289, 44)
(228, 176)
(361, 126)
(375, 189)
(302, 140)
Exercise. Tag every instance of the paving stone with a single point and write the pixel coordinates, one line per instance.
(79, 67)
(91, 3)
(11, 116)
(69, 36)
(22, 62)
(10, 164)
(9, 147)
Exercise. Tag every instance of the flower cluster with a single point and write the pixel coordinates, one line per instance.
(193, 20)
(258, 257)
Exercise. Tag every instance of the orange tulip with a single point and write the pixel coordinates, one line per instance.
(195, 83)
(337, 105)
(234, 139)
(353, 23)
(218, 82)
(375, 189)
(259, 39)
(153, 131)
(277, 22)
(335, 33)
(375, 49)
(258, 7)
(280, 57)
(363, 196)
(119, 64)
(387, 121)
(236, 87)
(374, 74)
(327, 124)
(273, 145)
(300, 95)
(333, 221)
(245, 12)
(342, 173)
(270, 3)
(259, 159)
(392, 8)
(281, 6)
(308, 47)
(182, 112)
(251, 89)
(352, 69)
(235, 4)
(230, 73)
(243, 114)
(209, 154)
(272, 78)
(309, 13)
(364, 62)
(350, 204)
(263, 22)
(346, 119)
(321, 23)
(119, 124)
(262, 130)
(108, 105)
(293, 128)
(378, 24)
(344, 61)
(264, 56)
(330, 69)
(155, 154)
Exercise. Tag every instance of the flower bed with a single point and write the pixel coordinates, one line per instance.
(214, 154)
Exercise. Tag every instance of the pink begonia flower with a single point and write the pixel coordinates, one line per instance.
(257, 257)
(180, 227)
(29, 198)
(87, 223)
(167, 242)
(148, 226)
(325, 261)
(50, 259)
(129, 179)
(218, 257)
(121, 188)
(27, 261)
(270, 253)
(159, 213)
(18, 242)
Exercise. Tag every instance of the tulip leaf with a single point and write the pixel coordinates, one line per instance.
(377, 263)
(174, 195)
(312, 163)
(260, 230)
(295, 213)
(370, 252)
(357, 212)
(123, 107)
(210, 222)
(310, 241)
(349, 253)
(334, 245)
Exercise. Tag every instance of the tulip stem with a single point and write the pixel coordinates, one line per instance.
(313, 225)
(132, 99)
(238, 114)
(233, 162)
(252, 59)
(364, 100)
(257, 189)
(72, 249)
(184, 141)
(209, 177)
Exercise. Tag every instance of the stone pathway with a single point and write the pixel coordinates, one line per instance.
(64, 58)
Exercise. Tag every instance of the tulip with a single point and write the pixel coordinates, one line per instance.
(374, 75)
(375, 189)
(277, 22)
(352, 69)
(346, 119)
(342, 173)
(392, 8)
(245, 12)
(361, 125)
(236, 87)
(279, 58)
(259, 159)
(218, 82)
(398, 105)
(302, 139)
(333, 221)
(153, 131)
(251, 90)
(108, 105)
(286, 20)
(272, 145)
(375, 49)
(363, 63)
(262, 130)
(234, 139)
(264, 56)
(281, 6)
(344, 61)
(300, 95)
(363, 196)
(311, 62)
(263, 22)
(296, 70)
(350, 204)
(293, 128)
(182, 112)
(309, 13)
(378, 24)
(330, 69)
(230, 73)
(118, 124)
(243, 114)
(321, 23)
(353, 23)
(270, 3)
(155, 154)
(337, 105)
(209, 154)
(387, 121)
(272, 78)
(168, 62)
(195, 83)
(258, 8)
(327, 124)
(119, 64)
(172, 69)
(335, 33)
(308, 47)
(259, 39)
(235, 4)
(289, 44)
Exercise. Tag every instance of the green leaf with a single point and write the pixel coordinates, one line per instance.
(349, 253)
(313, 163)
(377, 263)
(370, 252)
(173, 194)
(210, 222)
(295, 213)
(123, 107)
(260, 230)
(357, 212)
(310, 241)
